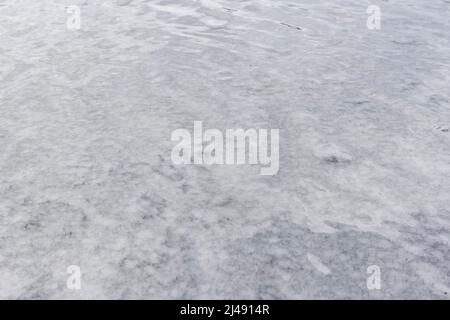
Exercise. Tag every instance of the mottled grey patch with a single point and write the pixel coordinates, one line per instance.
(273, 264)
(168, 170)
(152, 204)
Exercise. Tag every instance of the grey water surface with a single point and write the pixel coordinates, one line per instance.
(86, 176)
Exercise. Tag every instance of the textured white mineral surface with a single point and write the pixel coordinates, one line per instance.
(86, 176)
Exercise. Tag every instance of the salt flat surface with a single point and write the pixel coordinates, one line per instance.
(87, 178)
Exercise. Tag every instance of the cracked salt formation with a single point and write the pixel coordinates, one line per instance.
(87, 179)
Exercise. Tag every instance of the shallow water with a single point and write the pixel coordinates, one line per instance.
(87, 179)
